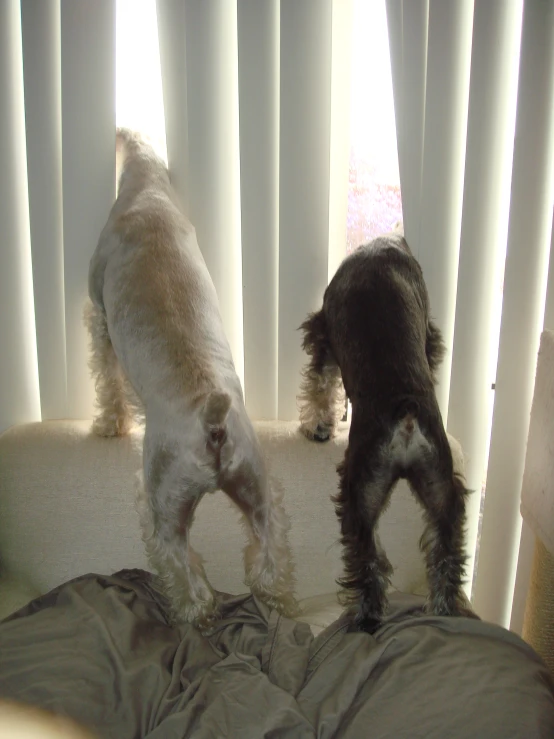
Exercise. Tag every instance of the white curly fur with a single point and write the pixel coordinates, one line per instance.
(179, 566)
(116, 401)
(154, 324)
(269, 569)
(321, 401)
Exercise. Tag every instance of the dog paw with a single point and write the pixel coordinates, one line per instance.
(362, 615)
(319, 433)
(463, 611)
(201, 614)
(284, 603)
(368, 625)
(111, 425)
(362, 621)
(456, 608)
(322, 433)
(287, 605)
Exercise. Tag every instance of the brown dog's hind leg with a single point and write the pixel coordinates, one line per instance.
(363, 494)
(321, 400)
(442, 494)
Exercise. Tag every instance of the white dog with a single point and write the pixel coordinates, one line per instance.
(154, 321)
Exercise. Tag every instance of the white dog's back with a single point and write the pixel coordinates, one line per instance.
(150, 278)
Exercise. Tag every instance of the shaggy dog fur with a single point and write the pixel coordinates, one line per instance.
(374, 332)
(154, 323)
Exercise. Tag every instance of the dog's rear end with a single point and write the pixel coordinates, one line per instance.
(155, 323)
(374, 332)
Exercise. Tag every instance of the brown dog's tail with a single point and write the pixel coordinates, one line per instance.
(215, 411)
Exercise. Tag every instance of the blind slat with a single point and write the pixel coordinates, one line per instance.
(488, 168)
(42, 70)
(414, 76)
(88, 140)
(395, 29)
(522, 312)
(173, 62)
(341, 103)
(446, 99)
(19, 388)
(213, 153)
(258, 59)
(305, 94)
(549, 307)
(408, 29)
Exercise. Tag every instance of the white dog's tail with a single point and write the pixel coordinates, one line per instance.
(216, 409)
(127, 141)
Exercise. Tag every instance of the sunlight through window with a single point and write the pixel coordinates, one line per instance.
(139, 98)
(374, 202)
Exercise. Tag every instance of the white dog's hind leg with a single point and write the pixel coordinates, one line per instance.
(267, 557)
(166, 535)
(116, 415)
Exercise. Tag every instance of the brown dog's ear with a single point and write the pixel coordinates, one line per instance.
(315, 332)
(434, 347)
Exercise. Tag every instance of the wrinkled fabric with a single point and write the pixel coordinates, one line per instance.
(100, 650)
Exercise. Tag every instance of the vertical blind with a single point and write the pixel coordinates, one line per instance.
(526, 268)
(489, 148)
(256, 99)
(477, 79)
(19, 396)
(40, 26)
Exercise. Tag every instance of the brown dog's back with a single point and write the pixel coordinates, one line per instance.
(376, 311)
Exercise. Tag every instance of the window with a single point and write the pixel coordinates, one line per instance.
(139, 99)
(374, 202)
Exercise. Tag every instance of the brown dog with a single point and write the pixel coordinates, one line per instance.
(374, 331)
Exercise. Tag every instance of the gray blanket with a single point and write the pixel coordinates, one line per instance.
(99, 649)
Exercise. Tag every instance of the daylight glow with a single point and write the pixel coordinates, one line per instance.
(139, 98)
(373, 123)
(374, 201)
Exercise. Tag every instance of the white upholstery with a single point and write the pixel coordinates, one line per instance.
(67, 508)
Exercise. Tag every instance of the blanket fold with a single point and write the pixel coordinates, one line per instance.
(100, 649)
